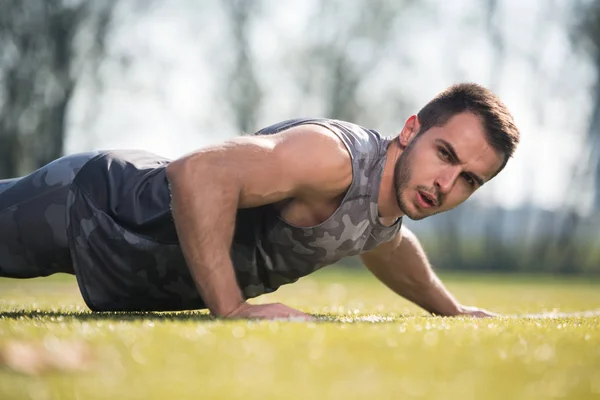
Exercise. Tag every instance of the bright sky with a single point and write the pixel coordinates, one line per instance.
(168, 101)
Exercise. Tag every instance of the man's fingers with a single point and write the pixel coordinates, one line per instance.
(270, 311)
(287, 312)
(469, 311)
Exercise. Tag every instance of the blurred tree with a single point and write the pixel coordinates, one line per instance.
(39, 69)
(345, 46)
(242, 91)
(494, 246)
(586, 34)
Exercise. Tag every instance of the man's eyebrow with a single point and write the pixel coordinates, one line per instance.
(454, 156)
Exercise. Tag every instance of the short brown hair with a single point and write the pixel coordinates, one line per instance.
(500, 129)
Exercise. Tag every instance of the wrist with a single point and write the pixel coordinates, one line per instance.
(439, 301)
(222, 307)
(450, 310)
(233, 312)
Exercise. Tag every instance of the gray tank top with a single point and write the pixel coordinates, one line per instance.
(125, 249)
(278, 252)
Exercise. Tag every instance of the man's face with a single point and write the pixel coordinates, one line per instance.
(439, 169)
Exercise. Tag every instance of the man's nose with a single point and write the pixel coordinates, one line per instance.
(446, 179)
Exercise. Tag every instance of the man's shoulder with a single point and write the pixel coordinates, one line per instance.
(330, 123)
(355, 129)
(356, 137)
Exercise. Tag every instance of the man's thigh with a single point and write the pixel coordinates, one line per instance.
(33, 237)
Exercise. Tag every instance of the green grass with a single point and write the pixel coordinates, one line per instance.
(369, 344)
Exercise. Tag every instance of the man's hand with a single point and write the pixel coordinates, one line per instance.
(268, 311)
(468, 311)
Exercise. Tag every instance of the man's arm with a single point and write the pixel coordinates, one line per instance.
(402, 265)
(208, 187)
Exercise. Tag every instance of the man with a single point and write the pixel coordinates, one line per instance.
(236, 220)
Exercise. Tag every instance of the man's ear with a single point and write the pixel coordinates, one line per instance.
(410, 130)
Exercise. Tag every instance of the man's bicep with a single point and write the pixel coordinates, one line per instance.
(259, 170)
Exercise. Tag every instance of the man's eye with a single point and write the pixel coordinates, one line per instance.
(443, 153)
(470, 181)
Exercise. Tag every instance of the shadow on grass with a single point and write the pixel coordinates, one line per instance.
(101, 316)
(180, 316)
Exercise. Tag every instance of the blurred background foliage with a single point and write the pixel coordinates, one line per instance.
(172, 76)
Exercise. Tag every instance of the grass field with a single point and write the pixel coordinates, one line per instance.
(369, 344)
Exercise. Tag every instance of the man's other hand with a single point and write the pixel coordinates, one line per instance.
(268, 311)
(469, 311)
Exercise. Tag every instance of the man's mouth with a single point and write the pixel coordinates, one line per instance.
(426, 200)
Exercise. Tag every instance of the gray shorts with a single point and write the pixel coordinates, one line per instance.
(33, 232)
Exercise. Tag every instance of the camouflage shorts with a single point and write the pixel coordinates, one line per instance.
(33, 236)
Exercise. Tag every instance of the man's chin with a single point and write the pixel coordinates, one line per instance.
(417, 216)
(413, 213)
(417, 213)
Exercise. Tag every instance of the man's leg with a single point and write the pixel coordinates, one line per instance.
(6, 183)
(33, 233)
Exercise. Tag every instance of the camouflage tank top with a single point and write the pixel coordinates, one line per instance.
(270, 252)
(125, 249)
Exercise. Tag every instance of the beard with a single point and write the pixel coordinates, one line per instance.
(402, 176)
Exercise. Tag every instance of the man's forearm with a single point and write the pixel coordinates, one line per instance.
(406, 270)
(432, 296)
(205, 224)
